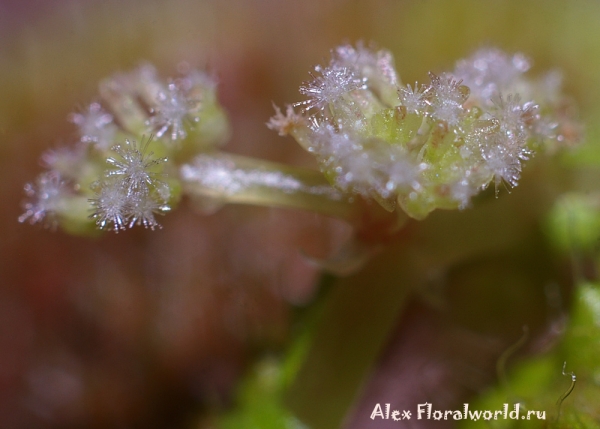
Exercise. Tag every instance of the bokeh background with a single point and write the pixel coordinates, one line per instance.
(155, 329)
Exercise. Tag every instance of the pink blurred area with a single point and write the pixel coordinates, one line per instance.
(144, 329)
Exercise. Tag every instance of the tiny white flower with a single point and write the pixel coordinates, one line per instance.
(142, 209)
(447, 97)
(413, 98)
(134, 165)
(95, 126)
(330, 85)
(110, 207)
(45, 197)
(174, 108)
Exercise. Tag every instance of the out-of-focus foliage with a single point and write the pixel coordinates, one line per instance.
(545, 383)
(564, 382)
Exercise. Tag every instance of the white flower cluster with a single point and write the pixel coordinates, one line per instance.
(116, 181)
(170, 108)
(176, 106)
(425, 146)
(421, 147)
(45, 198)
(131, 193)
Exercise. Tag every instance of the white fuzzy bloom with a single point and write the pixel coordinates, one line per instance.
(142, 208)
(134, 166)
(69, 162)
(131, 193)
(284, 123)
(413, 98)
(446, 98)
(174, 108)
(45, 198)
(365, 62)
(429, 146)
(504, 163)
(110, 207)
(490, 71)
(121, 184)
(115, 208)
(504, 149)
(462, 191)
(331, 84)
(366, 167)
(95, 126)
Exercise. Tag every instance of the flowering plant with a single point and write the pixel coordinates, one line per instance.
(419, 148)
(115, 177)
(384, 149)
(426, 146)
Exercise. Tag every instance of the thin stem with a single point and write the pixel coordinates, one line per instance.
(226, 178)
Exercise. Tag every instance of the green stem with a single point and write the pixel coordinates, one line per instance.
(225, 178)
(350, 335)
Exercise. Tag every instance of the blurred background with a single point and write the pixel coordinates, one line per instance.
(155, 329)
